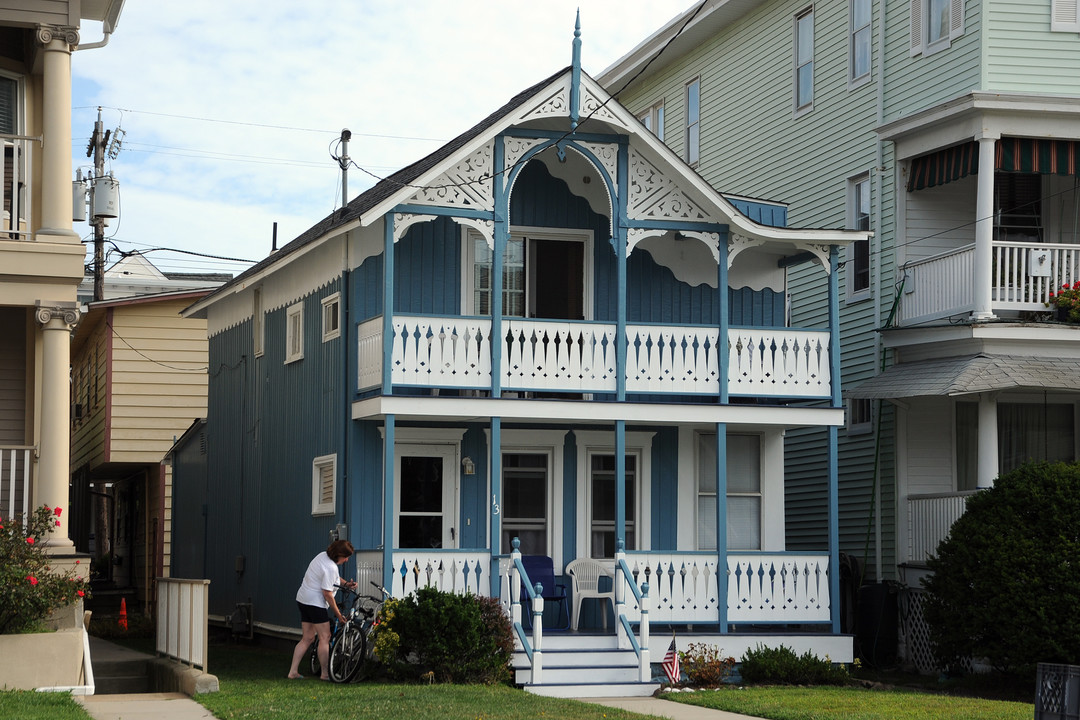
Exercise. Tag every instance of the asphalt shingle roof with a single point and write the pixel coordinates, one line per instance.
(970, 374)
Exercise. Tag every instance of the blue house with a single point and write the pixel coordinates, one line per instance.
(552, 330)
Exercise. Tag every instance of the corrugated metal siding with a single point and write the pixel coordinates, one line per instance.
(1024, 56)
(189, 503)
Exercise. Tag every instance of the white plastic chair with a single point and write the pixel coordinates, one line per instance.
(585, 574)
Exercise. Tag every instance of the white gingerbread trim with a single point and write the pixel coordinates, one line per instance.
(654, 196)
(486, 228)
(404, 221)
(558, 103)
(737, 243)
(468, 184)
(711, 240)
(635, 236)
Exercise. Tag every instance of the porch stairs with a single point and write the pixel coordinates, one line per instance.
(579, 665)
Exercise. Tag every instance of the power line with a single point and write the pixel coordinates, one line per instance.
(147, 357)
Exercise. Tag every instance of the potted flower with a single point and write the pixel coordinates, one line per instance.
(1067, 302)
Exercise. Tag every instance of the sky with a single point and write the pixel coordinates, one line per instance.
(230, 108)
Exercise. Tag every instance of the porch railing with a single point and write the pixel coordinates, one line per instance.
(624, 581)
(183, 611)
(516, 579)
(15, 464)
(15, 187)
(761, 587)
(930, 517)
(1023, 275)
(543, 355)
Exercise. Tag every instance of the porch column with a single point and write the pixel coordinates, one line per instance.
(834, 460)
(721, 527)
(56, 131)
(723, 302)
(984, 233)
(54, 450)
(987, 464)
(496, 503)
(388, 504)
(388, 305)
(620, 487)
(619, 225)
(500, 237)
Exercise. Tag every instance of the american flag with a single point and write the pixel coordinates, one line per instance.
(671, 663)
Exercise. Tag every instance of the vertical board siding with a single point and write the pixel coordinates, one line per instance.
(189, 503)
(427, 269)
(13, 378)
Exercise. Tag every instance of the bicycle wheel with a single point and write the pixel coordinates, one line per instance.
(347, 654)
(316, 666)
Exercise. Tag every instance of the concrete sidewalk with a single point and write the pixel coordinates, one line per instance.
(665, 708)
(144, 706)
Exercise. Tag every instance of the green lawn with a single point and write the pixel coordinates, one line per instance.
(851, 703)
(29, 705)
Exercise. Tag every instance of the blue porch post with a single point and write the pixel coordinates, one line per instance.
(388, 303)
(501, 236)
(496, 502)
(723, 302)
(721, 526)
(618, 233)
(388, 504)
(620, 486)
(834, 462)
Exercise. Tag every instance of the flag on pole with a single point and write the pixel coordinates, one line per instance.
(671, 663)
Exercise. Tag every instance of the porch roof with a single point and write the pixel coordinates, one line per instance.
(970, 374)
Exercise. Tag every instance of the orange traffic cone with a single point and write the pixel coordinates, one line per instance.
(123, 614)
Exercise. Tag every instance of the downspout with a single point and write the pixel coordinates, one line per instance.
(108, 25)
(875, 277)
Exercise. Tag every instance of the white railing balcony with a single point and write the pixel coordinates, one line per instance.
(16, 462)
(580, 357)
(15, 199)
(929, 519)
(183, 620)
(761, 587)
(1023, 276)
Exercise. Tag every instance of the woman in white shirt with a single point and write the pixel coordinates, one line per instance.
(315, 599)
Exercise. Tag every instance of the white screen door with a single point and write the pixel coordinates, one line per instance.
(426, 499)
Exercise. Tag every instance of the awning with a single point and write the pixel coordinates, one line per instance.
(1022, 155)
(968, 375)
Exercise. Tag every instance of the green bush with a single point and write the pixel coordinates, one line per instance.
(29, 588)
(458, 638)
(1006, 580)
(705, 666)
(783, 667)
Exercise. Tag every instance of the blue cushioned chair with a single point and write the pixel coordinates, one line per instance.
(541, 569)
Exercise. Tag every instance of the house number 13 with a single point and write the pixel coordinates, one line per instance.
(494, 505)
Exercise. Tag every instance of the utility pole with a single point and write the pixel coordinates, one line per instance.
(96, 149)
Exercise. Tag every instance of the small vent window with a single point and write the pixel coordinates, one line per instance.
(294, 333)
(324, 485)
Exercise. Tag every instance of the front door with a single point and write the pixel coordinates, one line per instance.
(426, 502)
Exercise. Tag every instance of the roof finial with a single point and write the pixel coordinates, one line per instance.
(575, 78)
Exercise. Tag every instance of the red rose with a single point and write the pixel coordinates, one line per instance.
(80, 593)
(58, 511)
(32, 579)
(57, 523)
(29, 541)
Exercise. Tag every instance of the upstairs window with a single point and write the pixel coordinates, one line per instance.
(804, 60)
(859, 49)
(331, 317)
(858, 264)
(935, 24)
(653, 120)
(693, 122)
(294, 333)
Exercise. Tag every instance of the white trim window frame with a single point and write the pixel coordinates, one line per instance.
(1064, 16)
(653, 120)
(934, 25)
(859, 416)
(860, 45)
(858, 264)
(258, 322)
(331, 317)
(736, 491)
(592, 443)
(551, 444)
(324, 485)
(803, 61)
(444, 443)
(294, 332)
(692, 94)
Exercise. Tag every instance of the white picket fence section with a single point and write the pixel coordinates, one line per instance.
(684, 587)
(546, 355)
(456, 571)
(930, 517)
(15, 465)
(183, 610)
(785, 588)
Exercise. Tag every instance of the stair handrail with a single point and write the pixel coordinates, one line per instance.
(640, 644)
(518, 578)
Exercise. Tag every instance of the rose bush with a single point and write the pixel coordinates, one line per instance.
(29, 589)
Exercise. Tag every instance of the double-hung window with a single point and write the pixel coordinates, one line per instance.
(858, 260)
(294, 332)
(804, 60)
(744, 504)
(693, 121)
(602, 494)
(859, 49)
(653, 120)
(935, 24)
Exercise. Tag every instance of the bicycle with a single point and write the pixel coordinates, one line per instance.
(348, 641)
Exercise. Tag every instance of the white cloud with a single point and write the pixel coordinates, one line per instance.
(424, 69)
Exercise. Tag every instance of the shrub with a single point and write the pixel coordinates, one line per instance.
(705, 666)
(1006, 579)
(29, 589)
(459, 638)
(782, 666)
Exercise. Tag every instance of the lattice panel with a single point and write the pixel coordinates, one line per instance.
(918, 649)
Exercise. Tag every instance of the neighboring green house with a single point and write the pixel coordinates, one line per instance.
(950, 129)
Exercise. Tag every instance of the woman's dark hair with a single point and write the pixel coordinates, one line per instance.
(339, 549)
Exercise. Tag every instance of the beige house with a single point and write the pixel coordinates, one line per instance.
(138, 380)
(41, 258)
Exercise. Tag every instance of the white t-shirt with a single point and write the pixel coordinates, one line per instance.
(322, 574)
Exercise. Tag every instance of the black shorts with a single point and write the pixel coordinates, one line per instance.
(312, 614)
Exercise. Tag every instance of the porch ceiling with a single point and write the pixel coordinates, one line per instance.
(577, 412)
(970, 374)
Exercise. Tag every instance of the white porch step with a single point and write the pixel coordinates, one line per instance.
(583, 666)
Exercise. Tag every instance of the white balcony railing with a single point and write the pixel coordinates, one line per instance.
(1023, 275)
(579, 357)
(15, 465)
(183, 620)
(929, 519)
(15, 186)
(457, 571)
